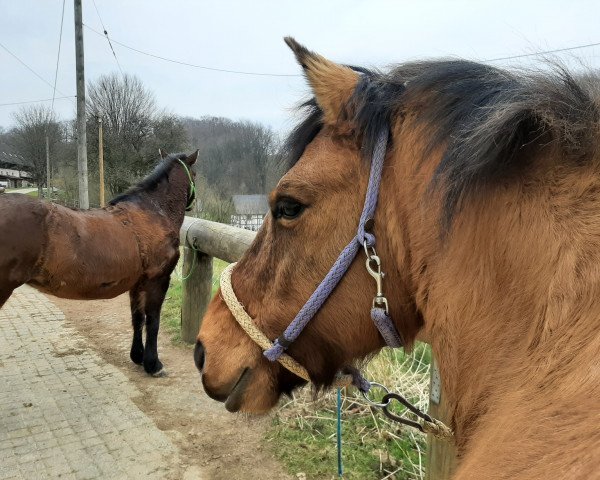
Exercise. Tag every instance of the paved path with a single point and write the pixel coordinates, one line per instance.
(64, 412)
(22, 190)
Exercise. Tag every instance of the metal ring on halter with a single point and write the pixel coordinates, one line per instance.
(366, 247)
(371, 402)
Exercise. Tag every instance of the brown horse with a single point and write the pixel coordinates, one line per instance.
(131, 245)
(488, 228)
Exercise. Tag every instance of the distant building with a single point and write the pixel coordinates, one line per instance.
(249, 211)
(15, 171)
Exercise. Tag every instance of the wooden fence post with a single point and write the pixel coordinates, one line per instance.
(196, 291)
(210, 239)
(441, 454)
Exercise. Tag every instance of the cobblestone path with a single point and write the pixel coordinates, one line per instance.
(64, 412)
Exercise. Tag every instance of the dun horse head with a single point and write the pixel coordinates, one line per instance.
(487, 229)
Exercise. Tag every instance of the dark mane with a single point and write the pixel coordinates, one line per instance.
(482, 117)
(150, 182)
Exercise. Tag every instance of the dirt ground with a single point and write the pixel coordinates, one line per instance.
(212, 443)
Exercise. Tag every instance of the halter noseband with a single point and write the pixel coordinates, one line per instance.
(192, 194)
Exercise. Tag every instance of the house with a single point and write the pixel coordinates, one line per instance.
(15, 171)
(249, 211)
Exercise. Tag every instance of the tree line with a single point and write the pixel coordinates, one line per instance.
(236, 157)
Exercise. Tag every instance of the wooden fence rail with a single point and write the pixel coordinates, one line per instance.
(204, 240)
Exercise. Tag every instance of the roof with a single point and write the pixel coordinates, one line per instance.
(14, 159)
(250, 204)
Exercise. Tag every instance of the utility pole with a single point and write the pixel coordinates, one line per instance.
(101, 161)
(82, 173)
(48, 188)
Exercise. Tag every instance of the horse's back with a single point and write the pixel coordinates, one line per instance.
(90, 254)
(22, 235)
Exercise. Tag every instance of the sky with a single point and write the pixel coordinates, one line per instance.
(248, 36)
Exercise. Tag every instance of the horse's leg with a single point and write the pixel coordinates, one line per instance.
(137, 319)
(156, 290)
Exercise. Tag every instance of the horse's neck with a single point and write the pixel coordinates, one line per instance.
(510, 301)
(169, 204)
(511, 309)
(517, 405)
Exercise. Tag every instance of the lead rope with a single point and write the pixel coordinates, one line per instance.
(191, 198)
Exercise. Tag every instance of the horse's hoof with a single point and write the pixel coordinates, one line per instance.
(153, 367)
(161, 373)
(137, 356)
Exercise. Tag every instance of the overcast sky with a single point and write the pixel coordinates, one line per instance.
(247, 36)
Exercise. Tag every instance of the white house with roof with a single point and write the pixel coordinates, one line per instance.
(15, 171)
(249, 211)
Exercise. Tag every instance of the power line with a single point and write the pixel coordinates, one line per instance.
(62, 19)
(32, 70)
(546, 52)
(203, 67)
(36, 101)
(108, 38)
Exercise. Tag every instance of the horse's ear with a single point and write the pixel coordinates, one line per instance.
(163, 153)
(191, 159)
(331, 83)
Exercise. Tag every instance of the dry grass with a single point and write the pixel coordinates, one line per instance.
(304, 437)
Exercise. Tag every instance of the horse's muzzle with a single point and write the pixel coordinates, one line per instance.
(231, 394)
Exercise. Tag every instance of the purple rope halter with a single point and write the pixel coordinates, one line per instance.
(379, 312)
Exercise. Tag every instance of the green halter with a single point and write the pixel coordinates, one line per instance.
(192, 194)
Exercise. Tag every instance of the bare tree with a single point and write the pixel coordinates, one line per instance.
(259, 144)
(236, 157)
(126, 107)
(134, 129)
(34, 123)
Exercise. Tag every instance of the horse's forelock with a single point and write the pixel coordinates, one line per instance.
(482, 118)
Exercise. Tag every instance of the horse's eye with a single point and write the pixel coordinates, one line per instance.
(288, 209)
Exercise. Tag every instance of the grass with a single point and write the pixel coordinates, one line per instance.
(170, 315)
(30, 194)
(171, 310)
(303, 434)
(33, 194)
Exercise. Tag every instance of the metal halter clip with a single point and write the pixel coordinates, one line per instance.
(379, 300)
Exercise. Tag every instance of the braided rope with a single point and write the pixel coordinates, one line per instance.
(316, 300)
(386, 327)
(437, 429)
(245, 321)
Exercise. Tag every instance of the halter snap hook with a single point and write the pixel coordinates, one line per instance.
(379, 301)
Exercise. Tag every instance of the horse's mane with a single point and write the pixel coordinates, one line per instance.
(481, 116)
(151, 181)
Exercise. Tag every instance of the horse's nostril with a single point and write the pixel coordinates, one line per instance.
(199, 355)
